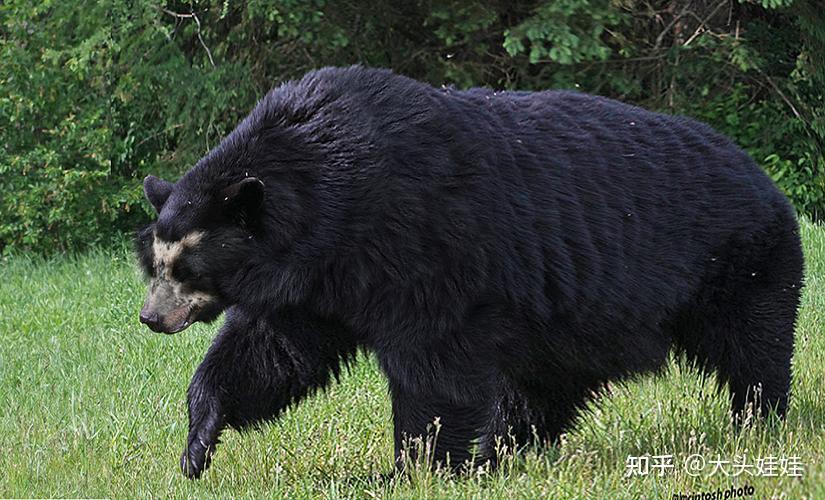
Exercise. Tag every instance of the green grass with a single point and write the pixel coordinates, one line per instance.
(92, 404)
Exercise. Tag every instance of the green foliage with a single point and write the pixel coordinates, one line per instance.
(54, 155)
(566, 31)
(771, 4)
(96, 94)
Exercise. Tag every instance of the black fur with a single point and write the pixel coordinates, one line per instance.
(257, 365)
(504, 254)
(157, 191)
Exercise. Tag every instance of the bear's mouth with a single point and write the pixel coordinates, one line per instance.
(183, 326)
(181, 319)
(172, 322)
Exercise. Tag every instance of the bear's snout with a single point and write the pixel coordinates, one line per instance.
(172, 321)
(150, 319)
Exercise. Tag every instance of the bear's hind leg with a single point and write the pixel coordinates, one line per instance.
(535, 413)
(743, 328)
(513, 423)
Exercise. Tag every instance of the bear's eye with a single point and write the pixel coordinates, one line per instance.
(181, 272)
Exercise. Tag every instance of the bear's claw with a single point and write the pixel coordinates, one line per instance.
(196, 458)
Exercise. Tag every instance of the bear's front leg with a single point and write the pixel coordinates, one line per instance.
(442, 395)
(256, 367)
(206, 421)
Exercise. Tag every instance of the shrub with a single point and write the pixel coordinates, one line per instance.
(96, 94)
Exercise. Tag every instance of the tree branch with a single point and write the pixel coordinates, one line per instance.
(703, 22)
(194, 16)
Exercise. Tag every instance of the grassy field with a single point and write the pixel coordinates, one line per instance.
(92, 404)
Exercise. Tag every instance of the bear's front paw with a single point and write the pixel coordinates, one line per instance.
(196, 458)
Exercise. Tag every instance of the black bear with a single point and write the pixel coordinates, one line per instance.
(503, 254)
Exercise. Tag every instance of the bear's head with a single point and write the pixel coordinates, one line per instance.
(195, 245)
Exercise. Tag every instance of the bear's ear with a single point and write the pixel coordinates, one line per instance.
(243, 199)
(157, 191)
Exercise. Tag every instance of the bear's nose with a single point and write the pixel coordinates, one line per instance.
(150, 319)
